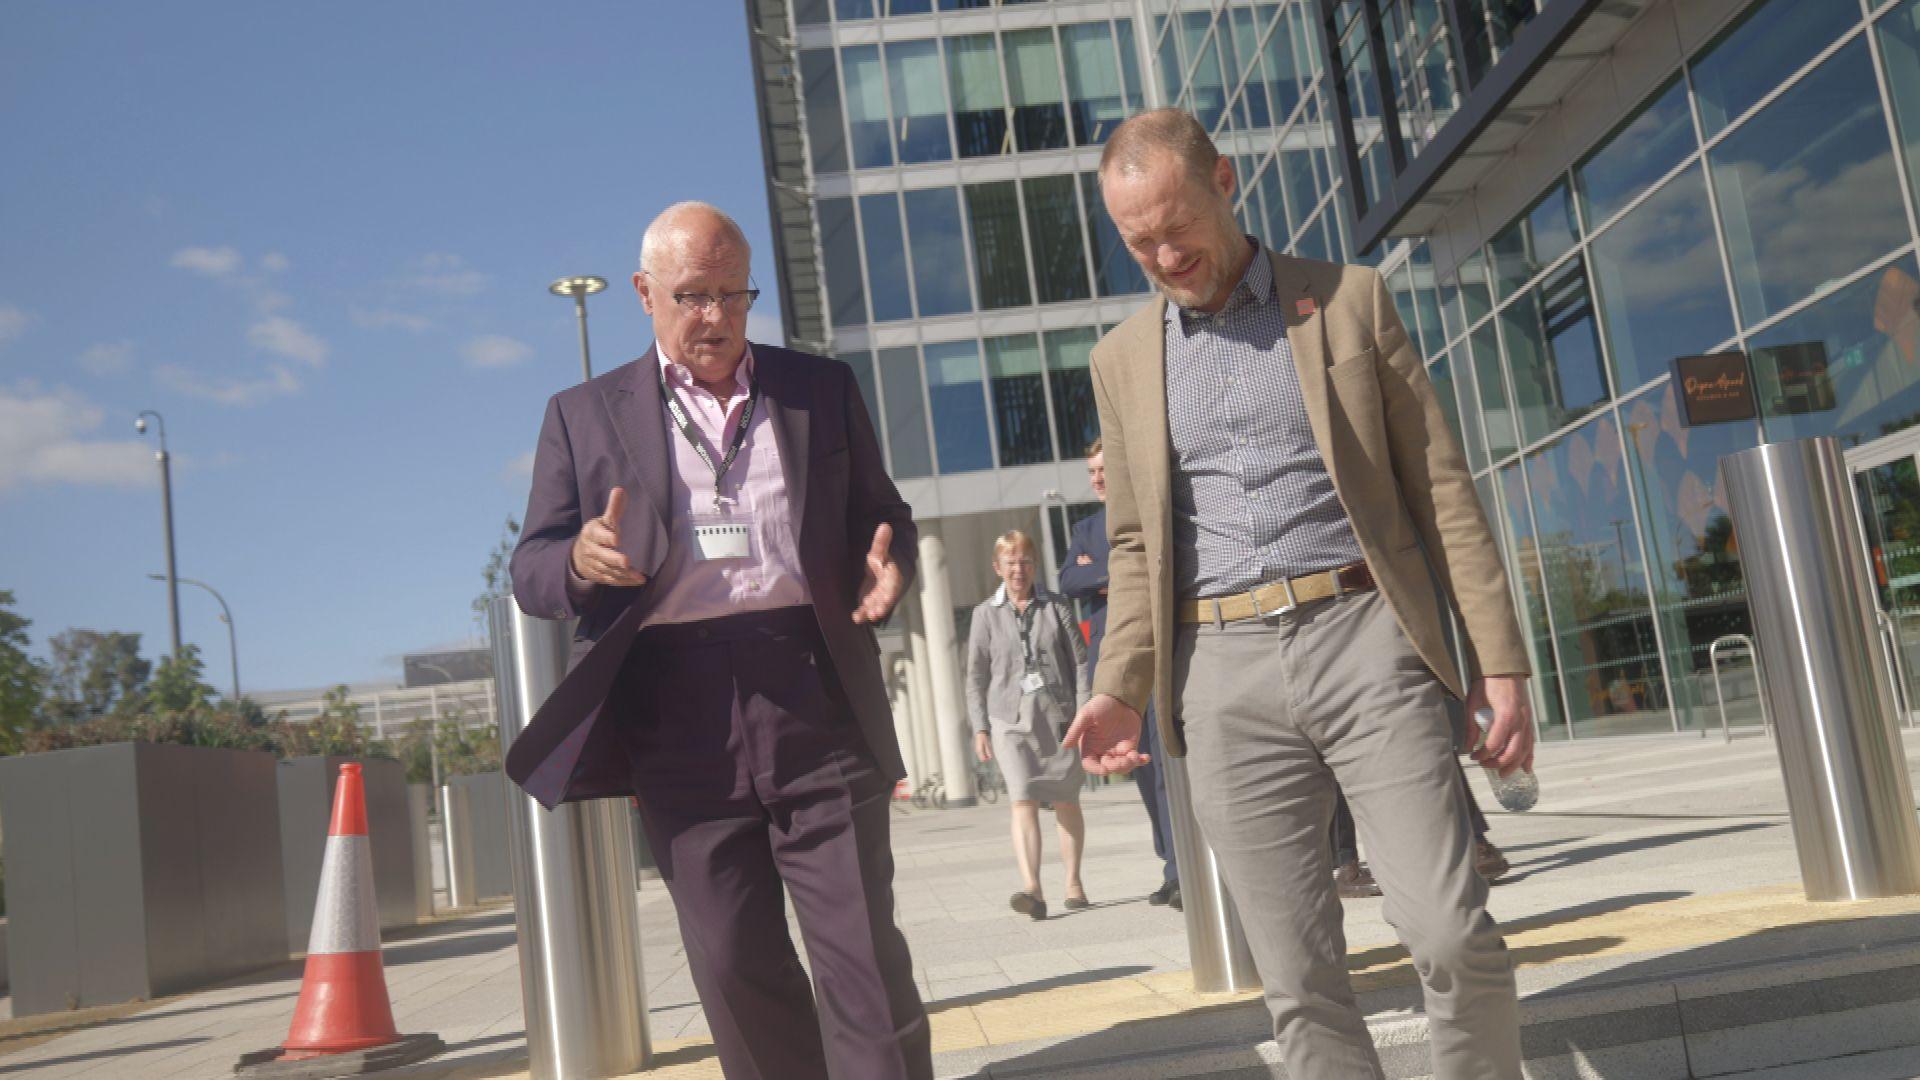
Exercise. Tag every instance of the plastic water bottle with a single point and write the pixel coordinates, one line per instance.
(1519, 792)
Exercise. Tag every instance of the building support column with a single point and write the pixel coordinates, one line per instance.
(926, 733)
(949, 701)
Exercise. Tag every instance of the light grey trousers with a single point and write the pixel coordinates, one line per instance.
(1275, 710)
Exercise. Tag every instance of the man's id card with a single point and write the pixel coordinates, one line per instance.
(1032, 682)
(723, 536)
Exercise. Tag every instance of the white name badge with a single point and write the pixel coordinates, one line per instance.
(723, 540)
(1032, 682)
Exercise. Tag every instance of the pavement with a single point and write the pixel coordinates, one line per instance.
(1658, 865)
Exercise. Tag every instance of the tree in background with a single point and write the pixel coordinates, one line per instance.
(466, 749)
(179, 686)
(93, 674)
(21, 678)
(335, 731)
(496, 574)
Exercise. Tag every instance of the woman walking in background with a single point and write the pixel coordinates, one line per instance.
(1026, 676)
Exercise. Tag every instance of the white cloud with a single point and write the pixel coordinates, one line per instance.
(13, 322)
(282, 336)
(279, 381)
(43, 440)
(213, 262)
(382, 319)
(448, 275)
(274, 262)
(520, 468)
(108, 358)
(495, 351)
(763, 325)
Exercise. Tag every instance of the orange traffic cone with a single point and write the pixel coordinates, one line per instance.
(343, 1014)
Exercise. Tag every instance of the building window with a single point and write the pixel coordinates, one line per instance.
(906, 413)
(1093, 81)
(1770, 42)
(862, 365)
(1533, 241)
(1206, 97)
(1659, 281)
(1114, 271)
(908, 7)
(1033, 81)
(1641, 150)
(1900, 46)
(1059, 248)
(1246, 57)
(1019, 399)
(852, 9)
(1553, 351)
(1807, 188)
(886, 257)
(933, 218)
(846, 297)
(1848, 365)
(1069, 359)
(1523, 565)
(960, 427)
(867, 122)
(826, 135)
(812, 12)
(979, 99)
(999, 251)
(918, 93)
(1502, 438)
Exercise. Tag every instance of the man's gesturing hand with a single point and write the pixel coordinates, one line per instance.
(596, 551)
(883, 583)
(1107, 733)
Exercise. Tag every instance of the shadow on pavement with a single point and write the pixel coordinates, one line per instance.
(1594, 852)
(1075, 979)
(97, 1055)
(448, 948)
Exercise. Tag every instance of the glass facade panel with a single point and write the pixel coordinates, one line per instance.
(1281, 60)
(846, 295)
(1426, 298)
(1698, 589)
(1502, 438)
(1296, 175)
(999, 251)
(1640, 151)
(1059, 248)
(1770, 42)
(1093, 81)
(1527, 576)
(862, 365)
(1069, 358)
(853, 9)
(1533, 241)
(1660, 284)
(886, 257)
(1553, 351)
(812, 12)
(933, 217)
(919, 101)
(867, 123)
(1016, 382)
(1246, 57)
(906, 413)
(959, 403)
(1033, 84)
(908, 7)
(979, 99)
(1807, 188)
(1596, 585)
(826, 130)
(1476, 296)
(1900, 46)
(1114, 271)
(1208, 98)
(1847, 366)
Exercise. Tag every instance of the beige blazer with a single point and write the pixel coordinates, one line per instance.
(1394, 462)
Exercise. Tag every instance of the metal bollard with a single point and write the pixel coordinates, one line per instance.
(419, 799)
(1222, 962)
(456, 831)
(1831, 699)
(576, 900)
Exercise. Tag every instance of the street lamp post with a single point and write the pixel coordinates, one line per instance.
(580, 288)
(226, 616)
(166, 505)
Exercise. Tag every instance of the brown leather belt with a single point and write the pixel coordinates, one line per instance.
(1278, 597)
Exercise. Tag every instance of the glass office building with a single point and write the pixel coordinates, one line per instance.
(1565, 196)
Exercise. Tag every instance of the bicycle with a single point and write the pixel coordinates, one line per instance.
(930, 794)
(987, 781)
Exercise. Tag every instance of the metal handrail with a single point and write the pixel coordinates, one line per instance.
(1901, 688)
(1720, 698)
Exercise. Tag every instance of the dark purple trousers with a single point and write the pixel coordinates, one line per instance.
(755, 785)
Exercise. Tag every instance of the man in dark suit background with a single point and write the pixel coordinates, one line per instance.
(1084, 578)
(719, 518)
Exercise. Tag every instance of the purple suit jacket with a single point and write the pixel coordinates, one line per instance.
(610, 432)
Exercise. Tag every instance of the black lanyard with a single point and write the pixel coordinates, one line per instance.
(1024, 621)
(685, 423)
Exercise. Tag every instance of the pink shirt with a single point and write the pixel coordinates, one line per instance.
(688, 588)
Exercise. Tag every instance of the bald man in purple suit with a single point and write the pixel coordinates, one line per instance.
(719, 518)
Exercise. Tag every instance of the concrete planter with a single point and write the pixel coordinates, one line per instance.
(486, 795)
(137, 870)
(306, 806)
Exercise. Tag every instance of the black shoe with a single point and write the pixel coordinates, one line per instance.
(1160, 896)
(1029, 905)
(1173, 898)
(1078, 903)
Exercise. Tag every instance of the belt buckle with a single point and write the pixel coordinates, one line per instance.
(1292, 601)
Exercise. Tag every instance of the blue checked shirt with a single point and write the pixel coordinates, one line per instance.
(1252, 501)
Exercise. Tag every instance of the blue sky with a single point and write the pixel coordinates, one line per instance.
(317, 239)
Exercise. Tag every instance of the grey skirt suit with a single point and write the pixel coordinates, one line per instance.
(1026, 725)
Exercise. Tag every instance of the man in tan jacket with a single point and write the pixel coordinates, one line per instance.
(1283, 493)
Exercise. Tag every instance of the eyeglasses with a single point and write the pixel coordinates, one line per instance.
(732, 303)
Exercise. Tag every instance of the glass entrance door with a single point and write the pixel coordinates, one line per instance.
(1886, 477)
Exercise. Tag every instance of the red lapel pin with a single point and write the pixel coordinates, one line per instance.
(1305, 307)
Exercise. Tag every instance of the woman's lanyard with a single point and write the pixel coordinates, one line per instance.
(685, 423)
(1024, 621)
